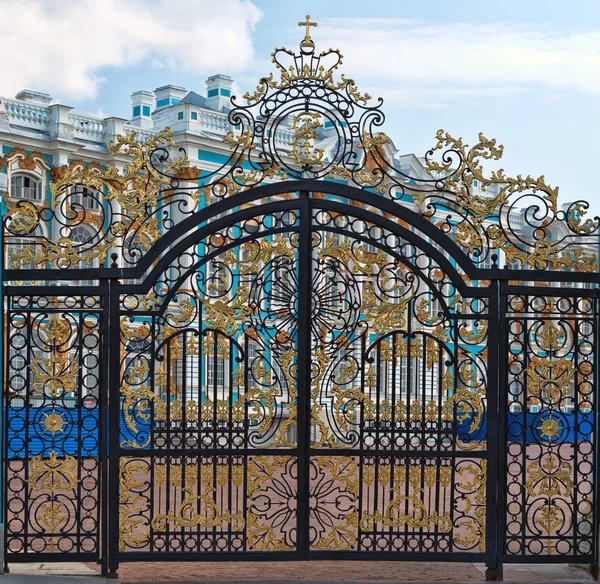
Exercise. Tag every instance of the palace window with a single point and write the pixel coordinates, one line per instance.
(84, 197)
(79, 237)
(23, 186)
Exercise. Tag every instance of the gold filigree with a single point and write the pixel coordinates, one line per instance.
(549, 479)
(541, 253)
(263, 471)
(255, 253)
(549, 519)
(381, 314)
(354, 257)
(287, 363)
(226, 316)
(57, 373)
(305, 129)
(53, 473)
(471, 528)
(341, 532)
(136, 405)
(53, 515)
(56, 330)
(24, 218)
(306, 67)
(417, 517)
(134, 529)
(550, 378)
(53, 423)
(550, 428)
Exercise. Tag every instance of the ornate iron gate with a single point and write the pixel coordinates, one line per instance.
(304, 353)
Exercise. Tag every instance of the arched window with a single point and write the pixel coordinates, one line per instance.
(23, 186)
(80, 236)
(84, 197)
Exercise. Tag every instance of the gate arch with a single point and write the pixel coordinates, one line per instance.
(290, 374)
(369, 309)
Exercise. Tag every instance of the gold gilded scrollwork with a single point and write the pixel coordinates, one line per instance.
(187, 516)
(541, 253)
(336, 529)
(226, 316)
(134, 529)
(307, 68)
(417, 518)
(135, 405)
(265, 532)
(24, 218)
(52, 474)
(260, 252)
(53, 423)
(550, 478)
(305, 129)
(550, 379)
(549, 519)
(471, 505)
(53, 515)
(355, 257)
(57, 373)
(381, 314)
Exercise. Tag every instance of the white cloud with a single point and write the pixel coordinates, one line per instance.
(428, 66)
(59, 46)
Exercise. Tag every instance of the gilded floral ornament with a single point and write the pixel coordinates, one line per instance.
(53, 474)
(494, 219)
(54, 375)
(186, 514)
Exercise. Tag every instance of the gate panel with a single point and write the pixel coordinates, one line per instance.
(399, 397)
(208, 431)
(52, 422)
(551, 424)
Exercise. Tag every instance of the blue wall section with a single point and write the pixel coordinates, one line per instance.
(83, 430)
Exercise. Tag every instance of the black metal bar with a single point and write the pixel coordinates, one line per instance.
(114, 403)
(502, 405)
(104, 442)
(595, 562)
(314, 555)
(4, 328)
(304, 422)
(495, 450)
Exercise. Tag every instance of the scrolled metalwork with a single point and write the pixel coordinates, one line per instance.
(551, 425)
(302, 123)
(319, 371)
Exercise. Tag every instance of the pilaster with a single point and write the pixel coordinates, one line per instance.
(60, 126)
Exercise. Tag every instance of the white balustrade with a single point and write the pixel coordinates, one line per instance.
(215, 122)
(87, 128)
(141, 136)
(94, 129)
(24, 114)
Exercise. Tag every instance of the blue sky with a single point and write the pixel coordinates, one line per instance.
(525, 72)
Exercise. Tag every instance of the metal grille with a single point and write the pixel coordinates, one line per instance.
(53, 425)
(551, 423)
(304, 353)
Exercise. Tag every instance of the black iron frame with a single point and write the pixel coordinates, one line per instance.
(497, 292)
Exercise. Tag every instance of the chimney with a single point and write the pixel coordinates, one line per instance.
(218, 89)
(35, 97)
(141, 103)
(168, 95)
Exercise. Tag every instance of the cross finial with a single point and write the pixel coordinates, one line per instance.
(307, 42)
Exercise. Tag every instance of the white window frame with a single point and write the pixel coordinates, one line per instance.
(18, 191)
